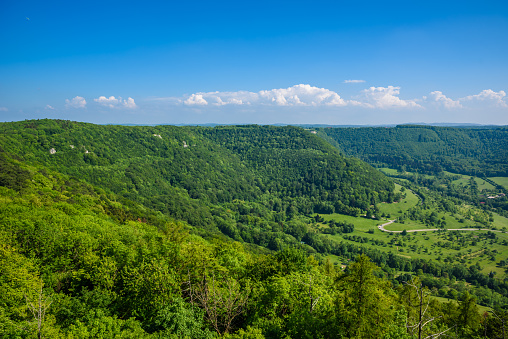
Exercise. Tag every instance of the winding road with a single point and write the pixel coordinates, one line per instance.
(382, 228)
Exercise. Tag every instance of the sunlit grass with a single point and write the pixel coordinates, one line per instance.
(424, 244)
(481, 309)
(482, 184)
(503, 181)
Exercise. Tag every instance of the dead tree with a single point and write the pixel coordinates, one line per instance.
(422, 305)
(38, 310)
(312, 299)
(222, 301)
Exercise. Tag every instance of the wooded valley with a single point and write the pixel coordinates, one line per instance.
(252, 231)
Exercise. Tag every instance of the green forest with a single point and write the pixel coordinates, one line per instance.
(427, 149)
(248, 232)
(434, 157)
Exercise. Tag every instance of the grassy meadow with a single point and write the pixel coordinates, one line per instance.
(503, 181)
(482, 184)
(481, 309)
(466, 247)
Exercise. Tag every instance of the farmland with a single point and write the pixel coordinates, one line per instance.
(485, 248)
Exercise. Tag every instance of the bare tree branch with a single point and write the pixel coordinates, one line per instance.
(38, 310)
(222, 304)
(423, 306)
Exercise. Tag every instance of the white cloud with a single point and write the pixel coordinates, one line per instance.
(129, 103)
(298, 95)
(439, 98)
(488, 96)
(232, 98)
(372, 98)
(385, 97)
(353, 81)
(109, 102)
(303, 95)
(3, 109)
(76, 102)
(50, 107)
(196, 99)
(113, 102)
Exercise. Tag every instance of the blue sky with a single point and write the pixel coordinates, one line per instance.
(327, 62)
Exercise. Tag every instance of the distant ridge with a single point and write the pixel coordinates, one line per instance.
(465, 149)
(438, 124)
(455, 125)
(441, 124)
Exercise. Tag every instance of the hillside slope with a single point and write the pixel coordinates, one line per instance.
(247, 181)
(428, 149)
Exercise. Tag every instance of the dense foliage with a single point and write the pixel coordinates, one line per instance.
(250, 182)
(423, 154)
(71, 269)
(427, 149)
(113, 231)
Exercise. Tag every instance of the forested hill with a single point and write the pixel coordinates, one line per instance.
(206, 176)
(78, 260)
(77, 263)
(428, 149)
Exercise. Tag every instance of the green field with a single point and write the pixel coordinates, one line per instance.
(389, 171)
(394, 173)
(424, 245)
(361, 223)
(407, 225)
(397, 208)
(481, 309)
(459, 179)
(452, 221)
(336, 259)
(503, 181)
(500, 222)
(441, 246)
(482, 184)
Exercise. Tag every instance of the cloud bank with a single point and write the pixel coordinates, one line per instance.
(304, 95)
(304, 103)
(298, 95)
